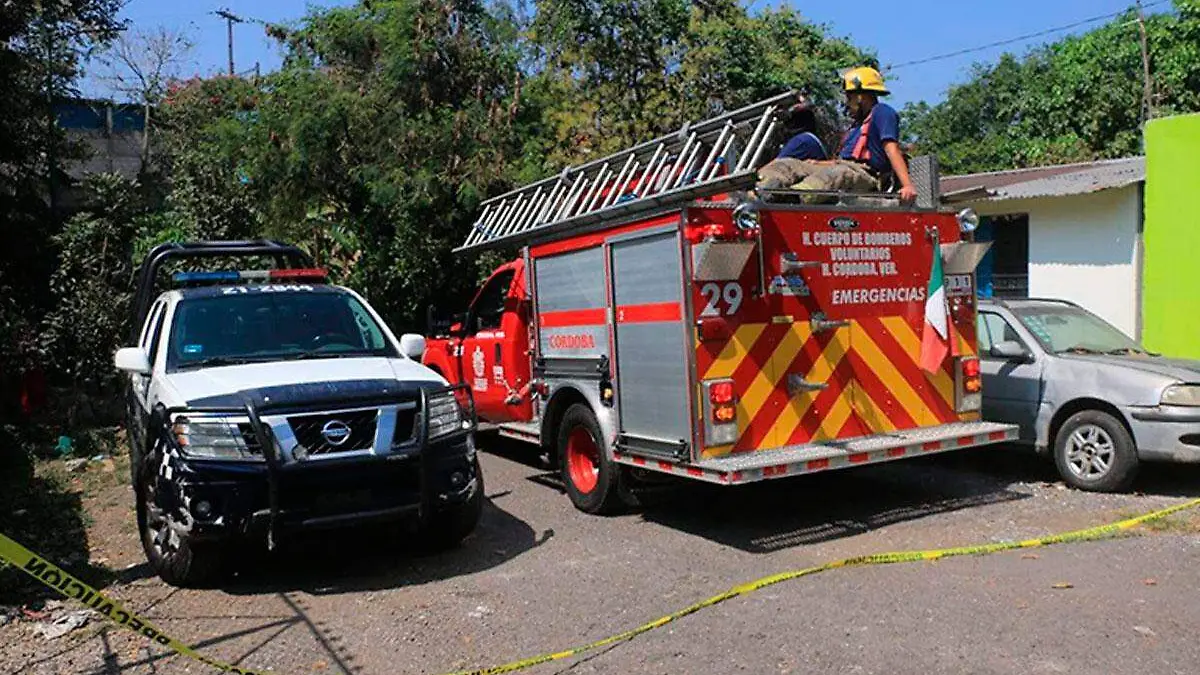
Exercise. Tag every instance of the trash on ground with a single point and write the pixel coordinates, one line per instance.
(63, 624)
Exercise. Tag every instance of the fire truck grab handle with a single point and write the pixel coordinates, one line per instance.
(820, 323)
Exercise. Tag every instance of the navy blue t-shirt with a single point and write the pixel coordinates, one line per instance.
(804, 146)
(885, 126)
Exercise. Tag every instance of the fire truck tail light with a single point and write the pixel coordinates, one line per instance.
(713, 328)
(721, 413)
(724, 413)
(968, 384)
(721, 392)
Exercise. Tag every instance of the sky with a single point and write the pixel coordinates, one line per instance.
(898, 31)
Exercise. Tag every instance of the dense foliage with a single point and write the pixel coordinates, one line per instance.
(1078, 99)
(41, 46)
(391, 120)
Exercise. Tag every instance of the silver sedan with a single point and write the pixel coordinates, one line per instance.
(1086, 393)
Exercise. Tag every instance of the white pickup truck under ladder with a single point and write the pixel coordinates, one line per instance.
(718, 155)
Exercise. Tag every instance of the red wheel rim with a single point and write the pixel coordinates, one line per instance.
(583, 460)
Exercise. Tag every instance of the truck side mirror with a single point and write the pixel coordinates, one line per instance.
(412, 346)
(1010, 350)
(132, 360)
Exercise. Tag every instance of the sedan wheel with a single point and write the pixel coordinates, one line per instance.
(1090, 452)
(1094, 451)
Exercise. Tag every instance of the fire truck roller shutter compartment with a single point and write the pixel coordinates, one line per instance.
(572, 305)
(651, 341)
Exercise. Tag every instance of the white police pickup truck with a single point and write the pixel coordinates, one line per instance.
(265, 402)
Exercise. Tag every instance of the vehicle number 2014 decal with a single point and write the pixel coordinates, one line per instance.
(722, 299)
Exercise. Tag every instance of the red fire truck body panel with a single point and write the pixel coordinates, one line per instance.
(874, 276)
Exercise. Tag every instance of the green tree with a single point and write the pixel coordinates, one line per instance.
(1078, 99)
(41, 47)
(91, 286)
(734, 58)
(371, 147)
(615, 72)
(391, 120)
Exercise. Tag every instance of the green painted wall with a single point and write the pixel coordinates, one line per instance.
(1171, 275)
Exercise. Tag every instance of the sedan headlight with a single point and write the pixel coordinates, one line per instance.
(444, 416)
(1182, 394)
(212, 438)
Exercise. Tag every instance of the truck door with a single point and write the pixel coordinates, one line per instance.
(651, 342)
(482, 363)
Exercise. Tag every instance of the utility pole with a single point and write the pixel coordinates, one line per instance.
(230, 19)
(1148, 93)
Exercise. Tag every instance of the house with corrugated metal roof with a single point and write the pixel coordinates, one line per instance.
(1070, 231)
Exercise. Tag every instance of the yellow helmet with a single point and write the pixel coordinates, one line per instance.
(865, 79)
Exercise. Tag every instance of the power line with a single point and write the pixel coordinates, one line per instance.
(1022, 38)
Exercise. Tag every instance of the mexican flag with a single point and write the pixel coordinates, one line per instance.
(935, 336)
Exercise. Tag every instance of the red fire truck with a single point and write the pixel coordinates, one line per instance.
(662, 318)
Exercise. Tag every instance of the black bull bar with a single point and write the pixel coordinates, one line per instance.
(254, 405)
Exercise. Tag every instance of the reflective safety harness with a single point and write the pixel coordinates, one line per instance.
(861, 152)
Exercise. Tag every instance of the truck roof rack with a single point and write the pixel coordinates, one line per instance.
(284, 256)
(718, 155)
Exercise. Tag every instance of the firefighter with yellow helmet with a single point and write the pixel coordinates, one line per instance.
(874, 142)
(870, 152)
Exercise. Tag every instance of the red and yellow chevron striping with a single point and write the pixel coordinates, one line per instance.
(852, 381)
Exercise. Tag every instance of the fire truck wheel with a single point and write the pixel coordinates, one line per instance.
(1094, 451)
(590, 478)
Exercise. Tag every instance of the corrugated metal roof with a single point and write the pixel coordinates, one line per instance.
(1048, 181)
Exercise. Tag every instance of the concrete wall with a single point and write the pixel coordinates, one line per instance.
(1171, 300)
(1084, 249)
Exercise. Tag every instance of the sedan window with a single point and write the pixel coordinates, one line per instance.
(1072, 329)
(994, 329)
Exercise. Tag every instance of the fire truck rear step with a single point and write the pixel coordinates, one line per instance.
(748, 467)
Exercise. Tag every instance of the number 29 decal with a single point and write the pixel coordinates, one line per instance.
(723, 299)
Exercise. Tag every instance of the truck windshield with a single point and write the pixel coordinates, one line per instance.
(272, 326)
(1070, 329)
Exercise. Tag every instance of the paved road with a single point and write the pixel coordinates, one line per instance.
(540, 576)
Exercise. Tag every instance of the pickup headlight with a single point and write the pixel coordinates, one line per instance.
(1182, 394)
(212, 438)
(444, 416)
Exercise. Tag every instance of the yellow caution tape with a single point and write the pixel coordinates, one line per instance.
(1089, 534)
(46, 572)
(42, 570)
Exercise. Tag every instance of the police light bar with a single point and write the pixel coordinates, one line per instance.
(233, 276)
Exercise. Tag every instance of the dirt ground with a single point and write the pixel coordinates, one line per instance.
(539, 576)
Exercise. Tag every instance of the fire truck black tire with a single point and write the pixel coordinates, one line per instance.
(450, 526)
(1095, 434)
(188, 564)
(601, 497)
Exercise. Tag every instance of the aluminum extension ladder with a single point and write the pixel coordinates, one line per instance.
(718, 155)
